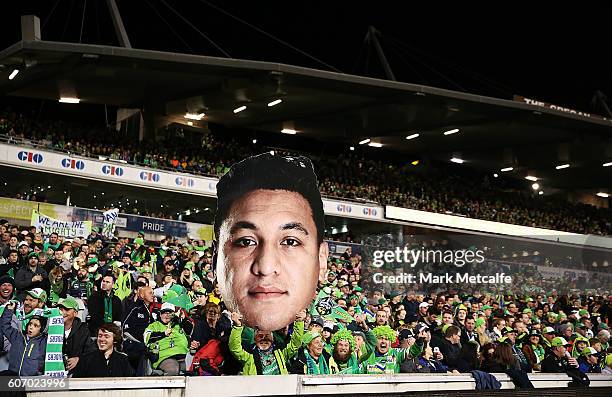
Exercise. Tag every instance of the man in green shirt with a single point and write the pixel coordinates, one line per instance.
(265, 358)
(385, 359)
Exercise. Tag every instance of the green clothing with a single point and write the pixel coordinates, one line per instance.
(390, 362)
(249, 367)
(167, 346)
(351, 366)
(46, 247)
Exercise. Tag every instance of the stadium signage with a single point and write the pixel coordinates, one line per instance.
(148, 176)
(30, 157)
(546, 105)
(352, 210)
(112, 170)
(73, 164)
(184, 181)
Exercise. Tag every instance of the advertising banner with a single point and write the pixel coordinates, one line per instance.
(50, 225)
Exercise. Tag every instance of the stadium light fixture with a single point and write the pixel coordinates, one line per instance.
(375, 144)
(412, 136)
(275, 102)
(602, 194)
(415, 162)
(607, 164)
(540, 192)
(14, 73)
(506, 169)
(531, 178)
(194, 116)
(495, 175)
(535, 186)
(190, 123)
(363, 142)
(239, 109)
(562, 166)
(457, 160)
(352, 148)
(289, 131)
(67, 99)
(451, 132)
(254, 141)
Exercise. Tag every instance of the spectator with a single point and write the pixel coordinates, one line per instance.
(134, 326)
(104, 306)
(558, 360)
(588, 361)
(266, 358)
(384, 358)
(27, 352)
(534, 351)
(167, 339)
(7, 289)
(105, 361)
(77, 342)
(312, 359)
(31, 276)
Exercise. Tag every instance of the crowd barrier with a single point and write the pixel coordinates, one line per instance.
(289, 385)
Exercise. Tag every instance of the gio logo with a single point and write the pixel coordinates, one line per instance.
(370, 211)
(149, 176)
(112, 170)
(30, 157)
(344, 208)
(73, 164)
(185, 182)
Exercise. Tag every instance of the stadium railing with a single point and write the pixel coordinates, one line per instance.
(285, 385)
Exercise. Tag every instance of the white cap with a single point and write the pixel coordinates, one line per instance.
(167, 306)
(424, 304)
(21, 243)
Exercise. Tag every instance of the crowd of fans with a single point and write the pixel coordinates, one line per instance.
(137, 307)
(344, 175)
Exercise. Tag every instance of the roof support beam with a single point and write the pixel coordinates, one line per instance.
(122, 36)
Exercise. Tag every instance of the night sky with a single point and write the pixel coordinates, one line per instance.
(558, 54)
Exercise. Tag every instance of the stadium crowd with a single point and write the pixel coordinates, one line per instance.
(344, 175)
(137, 307)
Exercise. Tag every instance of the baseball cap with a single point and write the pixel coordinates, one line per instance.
(486, 307)
(558, 341)
(167, 307)
(22, 243)
(406, 333)
(583, 313)
(508, 330)
(588, 351)
(38, 293)
(139, 241)
(33, 254)
(479, 322)
(69, 303)
(423, 304)
(318, 320)
(527, 311)
(420, 328)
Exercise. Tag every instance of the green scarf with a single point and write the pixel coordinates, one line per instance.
(54, 359)
(108, 308)
(316, 368)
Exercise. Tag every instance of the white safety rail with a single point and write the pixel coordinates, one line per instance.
(287, 385)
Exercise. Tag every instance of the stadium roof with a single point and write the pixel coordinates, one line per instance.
(493, 133)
